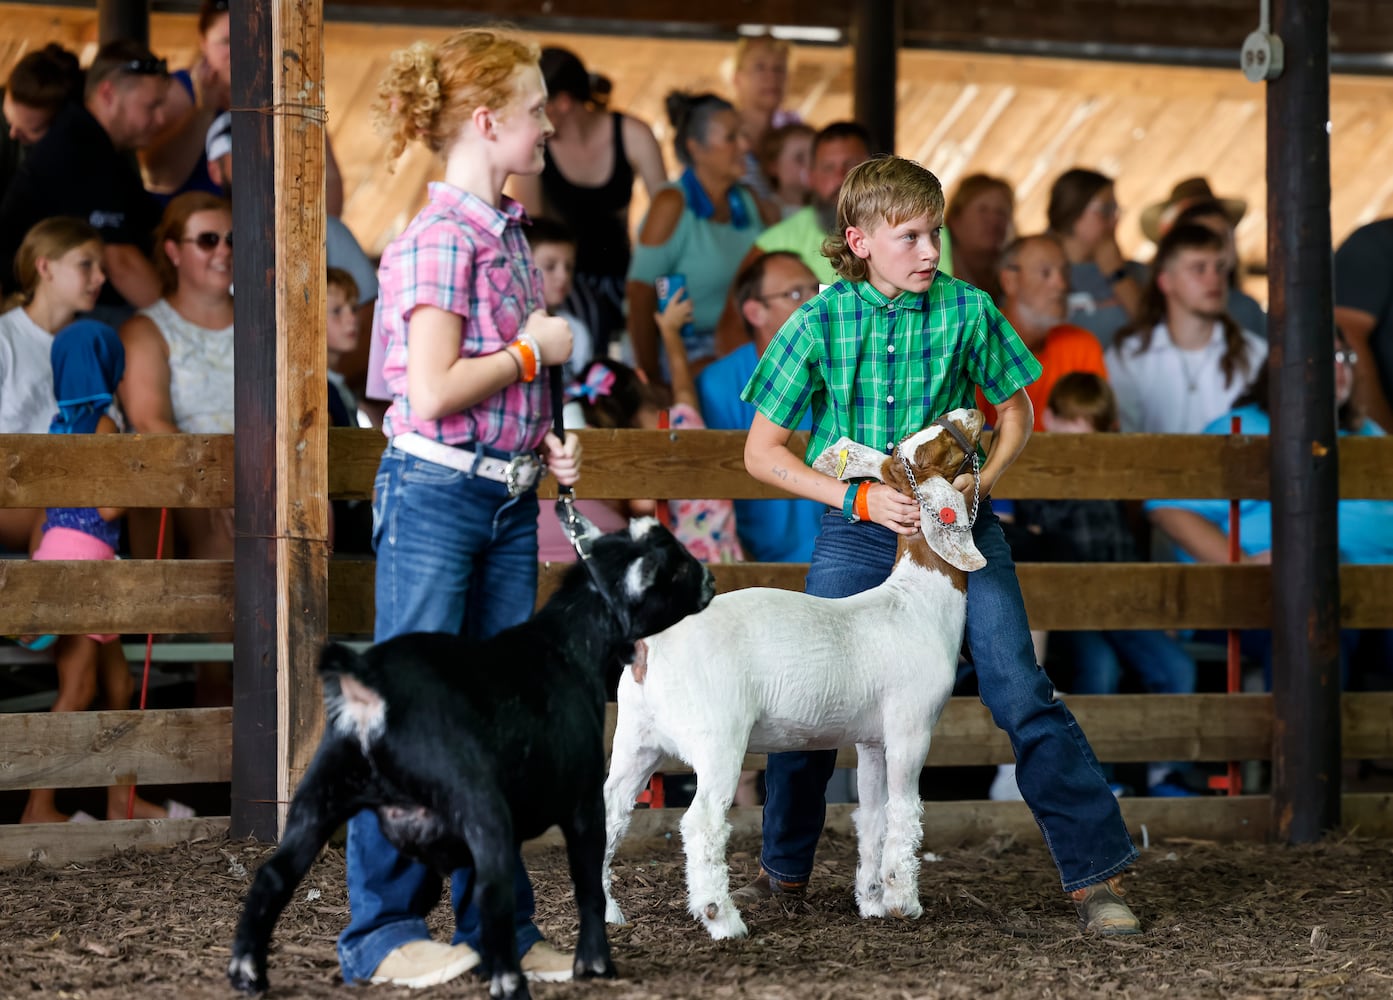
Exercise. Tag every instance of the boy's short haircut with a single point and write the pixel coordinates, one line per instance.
(885, 190)
(337, 277)
(123, 60)
(543, 231)
(1087, 395)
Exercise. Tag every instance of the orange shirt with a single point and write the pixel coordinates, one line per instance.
(1066, 349)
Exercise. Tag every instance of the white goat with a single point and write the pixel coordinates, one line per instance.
(775, 670)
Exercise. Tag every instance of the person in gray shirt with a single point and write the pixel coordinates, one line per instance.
(1104, 289)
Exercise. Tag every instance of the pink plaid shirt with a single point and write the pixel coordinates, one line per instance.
(463, 255)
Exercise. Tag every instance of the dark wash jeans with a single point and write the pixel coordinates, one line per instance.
(1058, 774)
(454, 554)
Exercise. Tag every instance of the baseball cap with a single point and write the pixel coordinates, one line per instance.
(219, 141)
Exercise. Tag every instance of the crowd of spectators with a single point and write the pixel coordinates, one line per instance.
(115, 183)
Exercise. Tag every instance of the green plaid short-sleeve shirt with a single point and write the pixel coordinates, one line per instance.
(876, 370)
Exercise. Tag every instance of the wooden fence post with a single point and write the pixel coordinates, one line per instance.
(1306, 755)
(282, 403)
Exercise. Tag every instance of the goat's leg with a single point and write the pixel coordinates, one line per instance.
(585, 850)
(870, 829)
(327, 797)
(631, 764)
(904, 830)
(706, 834)
(488, 831)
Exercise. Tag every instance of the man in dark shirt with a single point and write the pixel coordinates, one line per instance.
(40, 84)
(81, 168)
(1364, 310)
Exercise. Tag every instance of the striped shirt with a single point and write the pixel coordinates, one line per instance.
(463, 255)
(877, 370)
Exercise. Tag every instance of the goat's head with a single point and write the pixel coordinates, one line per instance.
(923, 467)
(649, 578)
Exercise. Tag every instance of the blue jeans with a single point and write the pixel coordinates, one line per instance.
(454, 554)
(1099, 658)
(1058, 775)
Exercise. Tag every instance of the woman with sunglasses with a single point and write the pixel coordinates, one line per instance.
(179, 350)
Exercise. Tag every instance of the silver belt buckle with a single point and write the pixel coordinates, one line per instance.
(520, 474)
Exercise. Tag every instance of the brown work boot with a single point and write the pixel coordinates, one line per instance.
(764, 887)
(1102, 911)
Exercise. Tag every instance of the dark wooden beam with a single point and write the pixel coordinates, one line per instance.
(875, 46)
(1149, 26)
(1356, 25)
(123, 19)
(1305, 468)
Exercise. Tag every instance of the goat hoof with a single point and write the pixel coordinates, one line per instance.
(600, 968)
(247, 975)
(613, 914)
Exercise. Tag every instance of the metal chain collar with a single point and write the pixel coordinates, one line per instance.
(976, 493)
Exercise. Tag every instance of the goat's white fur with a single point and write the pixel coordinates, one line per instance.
(358, 711)
(774, 670)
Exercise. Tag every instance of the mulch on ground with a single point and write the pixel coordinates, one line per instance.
(1232, 921)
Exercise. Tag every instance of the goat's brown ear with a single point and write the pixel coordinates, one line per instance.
(846, 459)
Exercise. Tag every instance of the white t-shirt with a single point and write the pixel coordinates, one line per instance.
(27, 404)
(1165, 390)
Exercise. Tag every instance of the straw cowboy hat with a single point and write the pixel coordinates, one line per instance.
(1156, 219)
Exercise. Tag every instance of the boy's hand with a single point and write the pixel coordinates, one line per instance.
(963, 484)
(553, 336)
(563, 459)
(892, 509)
(677, 314)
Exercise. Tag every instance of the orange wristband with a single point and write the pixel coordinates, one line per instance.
(863, 510)
(529, 359)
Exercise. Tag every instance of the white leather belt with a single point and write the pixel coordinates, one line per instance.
(519, 473)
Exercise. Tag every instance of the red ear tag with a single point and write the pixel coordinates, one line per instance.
(947, 515)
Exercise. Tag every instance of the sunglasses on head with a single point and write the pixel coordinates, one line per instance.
(209, 241)
(151, 66)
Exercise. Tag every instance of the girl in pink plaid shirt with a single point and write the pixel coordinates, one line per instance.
(454, 503)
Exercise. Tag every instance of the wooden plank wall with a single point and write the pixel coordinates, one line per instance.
(1023, 118)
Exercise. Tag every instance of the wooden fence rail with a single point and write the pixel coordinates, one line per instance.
(194, 745)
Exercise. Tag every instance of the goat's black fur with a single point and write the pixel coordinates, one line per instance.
(465, 748)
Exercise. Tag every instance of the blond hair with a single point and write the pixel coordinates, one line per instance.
(885, 190)
(747, 43)
(430, 91)
(49, 240)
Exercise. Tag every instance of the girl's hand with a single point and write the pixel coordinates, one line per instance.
(210, 91)
(892, 509)
(563, 459)
(1108, 255)
(553, 336)
(677, 315)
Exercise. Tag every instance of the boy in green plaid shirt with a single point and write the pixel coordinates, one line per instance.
(877, 356)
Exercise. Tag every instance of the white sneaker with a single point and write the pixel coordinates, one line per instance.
(425, 963)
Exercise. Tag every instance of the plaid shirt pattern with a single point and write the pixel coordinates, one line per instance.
(877, 370)
(463, 255)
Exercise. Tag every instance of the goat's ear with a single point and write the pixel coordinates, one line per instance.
(955, 547)
(849, 460)
(639, 577)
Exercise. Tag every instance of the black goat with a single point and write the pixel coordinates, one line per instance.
(465, 749)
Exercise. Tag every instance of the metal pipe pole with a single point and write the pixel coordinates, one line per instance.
(875, 40)
(123, 19)
(1306, 758)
